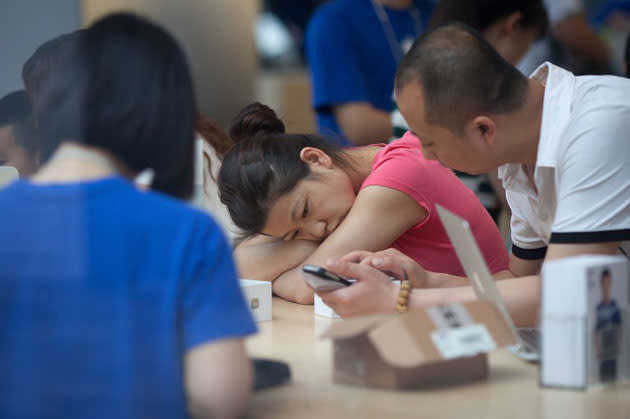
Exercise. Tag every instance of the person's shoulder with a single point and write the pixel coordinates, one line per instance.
(334, 15)
(425, 6)
(402, 159)
(168, 213)
(599, 102)
(407, 147)
(604, 95)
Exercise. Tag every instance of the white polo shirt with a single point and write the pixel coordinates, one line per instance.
(579, 189)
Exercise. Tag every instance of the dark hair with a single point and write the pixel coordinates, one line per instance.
(460, 73)
(264, 164)
(15, 107)
(15, 110)
(255, 119)
(45, 61)
(605, 273)
(481, 14)
(626, 56)
(127, 90)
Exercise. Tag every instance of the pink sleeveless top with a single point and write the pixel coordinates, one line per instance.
(401, 166)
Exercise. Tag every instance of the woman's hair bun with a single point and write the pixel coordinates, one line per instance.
(255, 120)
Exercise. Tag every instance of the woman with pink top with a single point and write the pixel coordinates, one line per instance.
(298, 199)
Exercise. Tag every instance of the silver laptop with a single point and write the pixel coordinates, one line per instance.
(474, 265)
(7, 175)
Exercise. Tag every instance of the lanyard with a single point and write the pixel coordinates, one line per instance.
(388, 29)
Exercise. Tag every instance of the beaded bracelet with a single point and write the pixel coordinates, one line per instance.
(403, 294)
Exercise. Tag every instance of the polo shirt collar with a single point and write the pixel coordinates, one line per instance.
(556, 113)
(557, 102)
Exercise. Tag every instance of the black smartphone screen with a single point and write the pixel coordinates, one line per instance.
(325, 274)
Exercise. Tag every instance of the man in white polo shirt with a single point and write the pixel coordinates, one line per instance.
(563, 146)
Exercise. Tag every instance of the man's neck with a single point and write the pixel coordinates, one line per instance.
(523, 133)
(396, 4)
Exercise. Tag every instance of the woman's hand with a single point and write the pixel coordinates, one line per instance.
(373, 291)
(392, 262)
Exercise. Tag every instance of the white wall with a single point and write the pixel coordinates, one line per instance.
(218, 36)
(26, 24)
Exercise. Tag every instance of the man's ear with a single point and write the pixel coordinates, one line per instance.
(484, 129)
(315, 157)
(511, 23)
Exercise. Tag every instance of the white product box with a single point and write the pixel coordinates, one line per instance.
(321, 309)
(258, 296)
(585, 320)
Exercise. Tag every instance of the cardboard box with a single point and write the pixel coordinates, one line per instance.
(323, 310)
(424, 347)
(258, 296)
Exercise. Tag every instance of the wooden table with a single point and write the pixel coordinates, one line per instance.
(511, 391)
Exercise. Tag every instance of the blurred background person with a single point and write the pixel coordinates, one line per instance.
(572, 42)
(353, 48)
(19, 142)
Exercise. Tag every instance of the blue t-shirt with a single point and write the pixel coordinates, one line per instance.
(103, 289)
(350, 58)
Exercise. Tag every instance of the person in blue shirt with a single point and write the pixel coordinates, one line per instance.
(117, 302)
(353, 48)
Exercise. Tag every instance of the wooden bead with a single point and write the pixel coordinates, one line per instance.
(403, 295)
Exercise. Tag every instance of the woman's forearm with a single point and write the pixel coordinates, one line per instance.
(266, 259)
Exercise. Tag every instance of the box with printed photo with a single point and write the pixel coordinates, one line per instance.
(585, 325)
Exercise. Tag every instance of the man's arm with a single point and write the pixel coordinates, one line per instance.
(362, 123)
(374, 292)
(218, 379)
(520, 294)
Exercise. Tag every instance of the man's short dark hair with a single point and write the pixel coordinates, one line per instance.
(125, 88)
(482, 14)
(461, 74)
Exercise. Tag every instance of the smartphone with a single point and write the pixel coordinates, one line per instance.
(321, 279)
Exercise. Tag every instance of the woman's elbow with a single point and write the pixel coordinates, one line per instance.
(304, 295)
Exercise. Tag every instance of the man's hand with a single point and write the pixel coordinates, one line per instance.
(392, 262)
(373, 292)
